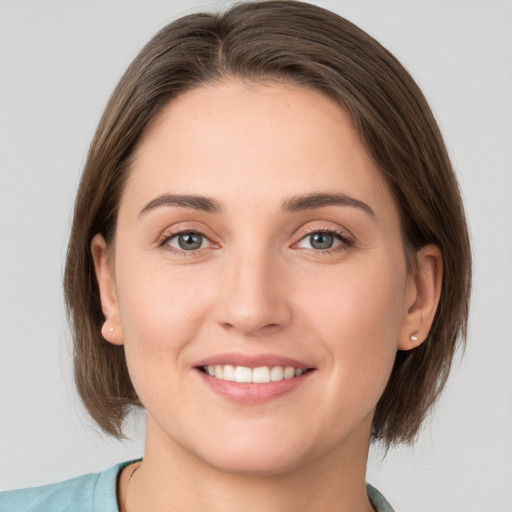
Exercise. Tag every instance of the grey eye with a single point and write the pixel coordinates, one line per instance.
(187, 241)
(321, 240)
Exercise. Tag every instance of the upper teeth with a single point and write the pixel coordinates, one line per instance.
(258, 375)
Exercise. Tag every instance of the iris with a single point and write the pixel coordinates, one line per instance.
(321, 240)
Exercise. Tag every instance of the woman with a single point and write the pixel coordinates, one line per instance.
(269, 254)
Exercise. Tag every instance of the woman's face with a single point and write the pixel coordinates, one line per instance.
(256, 232)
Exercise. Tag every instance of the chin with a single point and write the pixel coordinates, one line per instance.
(260, 464)
(258, 455)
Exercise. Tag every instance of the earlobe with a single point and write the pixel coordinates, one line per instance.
(111, 329)
(422, 297)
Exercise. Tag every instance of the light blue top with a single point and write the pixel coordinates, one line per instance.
(96, 492)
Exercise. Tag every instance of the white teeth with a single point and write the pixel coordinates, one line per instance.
(260, 375)
(243, 374)
(229, 372)
(289, 372)
(276, 373)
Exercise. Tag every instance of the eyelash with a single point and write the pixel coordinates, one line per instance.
(181, 252)
(346, 241)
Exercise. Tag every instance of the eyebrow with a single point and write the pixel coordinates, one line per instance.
(319, 200)
(294, 204)
(193, 202)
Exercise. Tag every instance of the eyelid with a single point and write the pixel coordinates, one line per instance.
(168, 242)
(337, 241)
(324, 227)
(174, 231)
(343, 235)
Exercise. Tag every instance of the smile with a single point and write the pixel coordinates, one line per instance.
(259, 375)
(251, 379)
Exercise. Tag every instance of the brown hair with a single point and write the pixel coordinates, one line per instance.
(294, 42)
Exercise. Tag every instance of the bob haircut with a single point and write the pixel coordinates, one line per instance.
(288, 42)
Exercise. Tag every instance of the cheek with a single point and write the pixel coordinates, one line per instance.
(161, 312)
(358, 319)
(363, 302)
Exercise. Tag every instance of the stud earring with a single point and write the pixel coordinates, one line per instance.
(111, 329)
(414, 338)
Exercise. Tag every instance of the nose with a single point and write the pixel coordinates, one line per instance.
(254, 300)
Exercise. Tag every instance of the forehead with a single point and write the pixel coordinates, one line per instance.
(253, 143)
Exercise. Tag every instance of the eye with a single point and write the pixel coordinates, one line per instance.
(323, 241)
(187, 241)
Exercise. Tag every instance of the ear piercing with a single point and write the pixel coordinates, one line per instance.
(414, 338)
(111, 329)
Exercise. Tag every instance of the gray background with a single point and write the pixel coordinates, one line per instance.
(59, 62)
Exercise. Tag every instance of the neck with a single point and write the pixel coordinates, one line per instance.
(171, 478)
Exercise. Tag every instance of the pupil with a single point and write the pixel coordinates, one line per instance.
(190, 241)
(321, 240)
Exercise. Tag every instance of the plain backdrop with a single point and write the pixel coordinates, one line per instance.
(59, 62)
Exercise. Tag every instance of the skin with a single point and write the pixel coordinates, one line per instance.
(258, 285)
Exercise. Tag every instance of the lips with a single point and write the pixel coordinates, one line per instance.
(251, 360)
(251, 379)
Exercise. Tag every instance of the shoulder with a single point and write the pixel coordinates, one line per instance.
(379, 503)
(94, 492)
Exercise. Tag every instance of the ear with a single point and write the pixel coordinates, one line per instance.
(111, 329)
(422, 297)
